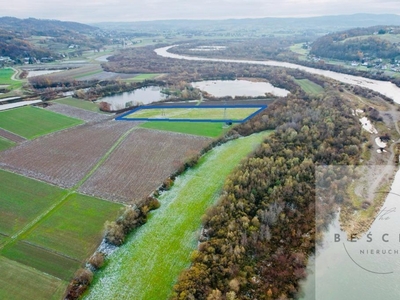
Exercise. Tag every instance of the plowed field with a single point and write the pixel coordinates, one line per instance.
(65, 157)
(141, 163)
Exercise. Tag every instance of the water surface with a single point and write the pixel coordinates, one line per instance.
(221, 88)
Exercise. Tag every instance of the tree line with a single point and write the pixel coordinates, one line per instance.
(256, 240)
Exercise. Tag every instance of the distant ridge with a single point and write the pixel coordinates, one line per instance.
(335, 22)
(44, 27)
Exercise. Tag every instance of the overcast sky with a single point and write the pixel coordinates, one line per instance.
(90, 11)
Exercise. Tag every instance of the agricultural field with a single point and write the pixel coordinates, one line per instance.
(298, 48)
(22, 200)
(47, 233)
(147, 266)
(82, 104)
(5, 76)
(211, 129)
(198, 113)
(31, 122)
(23, 282)
(74, 229)
(77, 73)
(11, 136)
(65, 157)
(6, 79)
(141, 163)
(392, 38)
(310, 87)
(145, 76)
(78, 113)
(44, 260)
(5, 144)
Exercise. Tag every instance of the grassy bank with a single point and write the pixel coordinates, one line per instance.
(147, 266)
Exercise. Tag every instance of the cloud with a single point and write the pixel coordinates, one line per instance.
(88, 11)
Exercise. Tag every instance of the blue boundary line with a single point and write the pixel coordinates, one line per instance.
(123, 116)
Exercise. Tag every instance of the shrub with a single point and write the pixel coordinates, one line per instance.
(78, 285)
(114, 233)
(97, 260)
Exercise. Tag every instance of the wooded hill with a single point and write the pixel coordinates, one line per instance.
(39, 27)
(359, 44)
(33, 38)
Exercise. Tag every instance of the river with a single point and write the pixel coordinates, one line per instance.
(367, 268)
(384, 87)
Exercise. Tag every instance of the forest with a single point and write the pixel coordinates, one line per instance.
(256, 240)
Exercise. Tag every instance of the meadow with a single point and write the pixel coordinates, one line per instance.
(5, 144)
(46, 235)
(22, 200)
(6, 79)
(31, 122)
(147, 266)
(144, 76)
(23, 282)
(198, 113)
(75, 228)
(310, 87)
(5, 76)
(211, 129)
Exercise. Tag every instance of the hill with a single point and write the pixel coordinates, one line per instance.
(258, 26)
(31, 40)
(360, 44)
(39, 27)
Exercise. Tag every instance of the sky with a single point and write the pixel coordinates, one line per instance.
(92, 11)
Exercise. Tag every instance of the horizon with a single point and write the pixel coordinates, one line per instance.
(95, 11)
(205, 19)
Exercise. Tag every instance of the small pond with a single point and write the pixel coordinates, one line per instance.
(141, 96)
(222, 88)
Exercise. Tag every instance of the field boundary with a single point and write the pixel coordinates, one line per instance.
(123, 117)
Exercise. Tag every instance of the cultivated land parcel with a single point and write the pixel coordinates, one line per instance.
(31, 122)
(232, 113)
(47, 231)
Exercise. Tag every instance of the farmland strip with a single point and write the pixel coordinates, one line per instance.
(141, 163)
(31, 225)
(64, 158)
(11, 136)
(78, 113)
(117, 143)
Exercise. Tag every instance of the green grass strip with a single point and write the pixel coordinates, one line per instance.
(5, 144)
(310, 87)
(22, 200)
(42, 259)
(74, 228)
(30, 122)
(20, 282)
(195, 128)
(194, 113)
(147, 266)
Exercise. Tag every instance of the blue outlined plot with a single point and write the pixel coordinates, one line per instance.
(124, 117)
